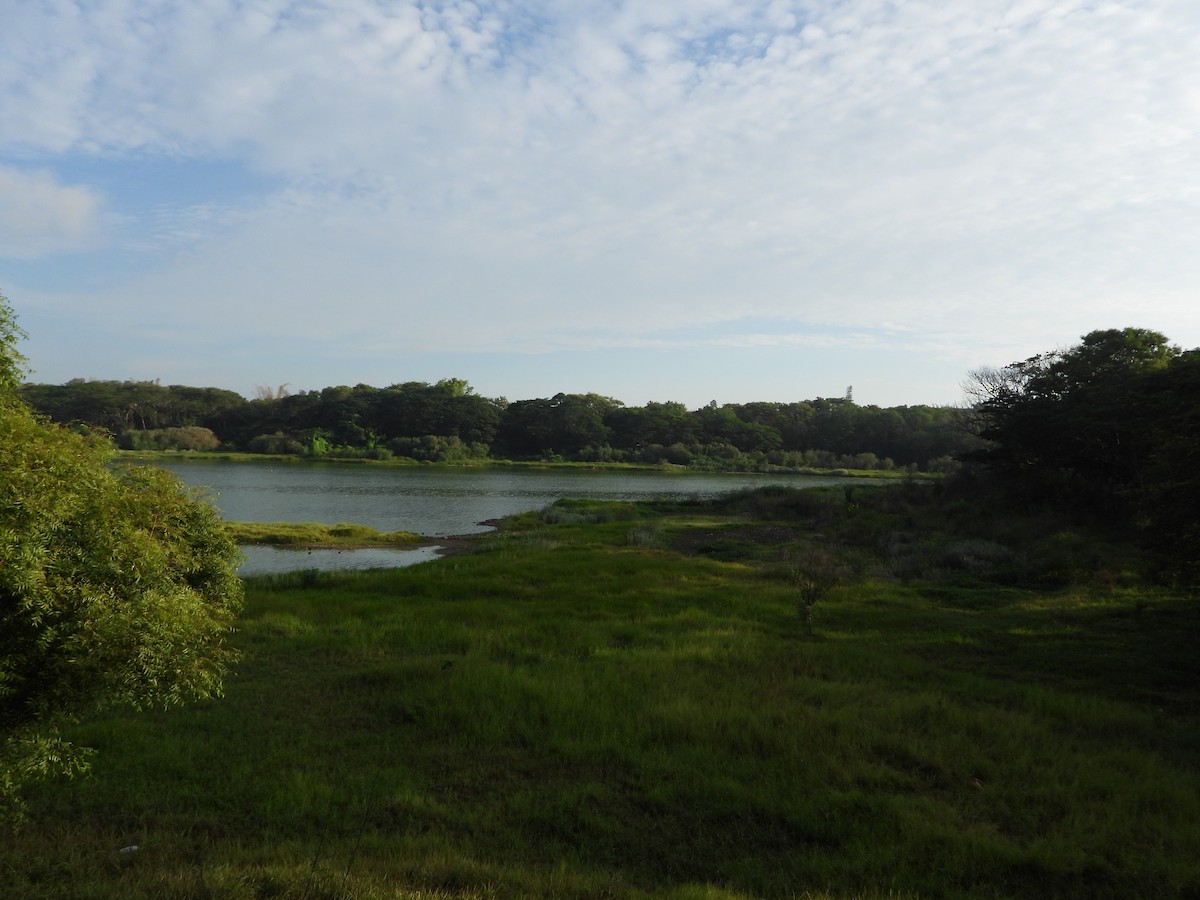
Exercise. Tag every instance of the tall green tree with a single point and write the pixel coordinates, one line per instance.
(1170, 495)
(1072, 421)
(1109, 427)
(563, 424)
(117, 586)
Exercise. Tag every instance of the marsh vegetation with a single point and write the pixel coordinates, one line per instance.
(633, 699)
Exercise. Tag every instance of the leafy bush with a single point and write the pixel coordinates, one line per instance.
(437, 448)
(117, 586)
(277, 443)
(190, 437)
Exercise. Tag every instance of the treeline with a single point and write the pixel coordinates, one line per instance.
(448, 421)
(1108, 430)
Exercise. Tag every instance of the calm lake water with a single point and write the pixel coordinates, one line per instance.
(435, 502)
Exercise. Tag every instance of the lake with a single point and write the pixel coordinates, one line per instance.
(435, 502)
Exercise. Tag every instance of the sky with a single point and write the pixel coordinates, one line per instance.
(686, 200)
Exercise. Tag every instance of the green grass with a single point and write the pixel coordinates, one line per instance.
(595, 706)
(312, 534)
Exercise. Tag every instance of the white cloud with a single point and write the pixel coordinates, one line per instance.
(987, 172)
(39, 216)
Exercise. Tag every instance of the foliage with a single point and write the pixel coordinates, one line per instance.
(814, 571)
(116, 587)
(563, 425)
(436, 422)
(436, 448)
(1073, 415)
(1170, 492)
(188, 437)
(12, 362)
(277, 443)
(1106, 428)
(121, 406)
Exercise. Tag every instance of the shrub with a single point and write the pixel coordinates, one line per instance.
(277, 443)
(117, 586)
(188, 437)
(437, 448)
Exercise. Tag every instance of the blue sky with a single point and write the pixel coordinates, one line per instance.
(726, 200)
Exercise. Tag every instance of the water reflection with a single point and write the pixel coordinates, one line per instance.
(273, 560)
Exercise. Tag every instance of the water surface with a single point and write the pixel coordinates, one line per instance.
(435, 502)
(263, 560)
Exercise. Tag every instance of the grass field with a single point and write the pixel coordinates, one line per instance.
(618, 700)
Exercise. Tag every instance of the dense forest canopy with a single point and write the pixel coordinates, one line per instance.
(448, 420)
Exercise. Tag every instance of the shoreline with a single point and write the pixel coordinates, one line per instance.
(152, 456)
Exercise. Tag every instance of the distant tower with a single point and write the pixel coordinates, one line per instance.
(850, 394)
